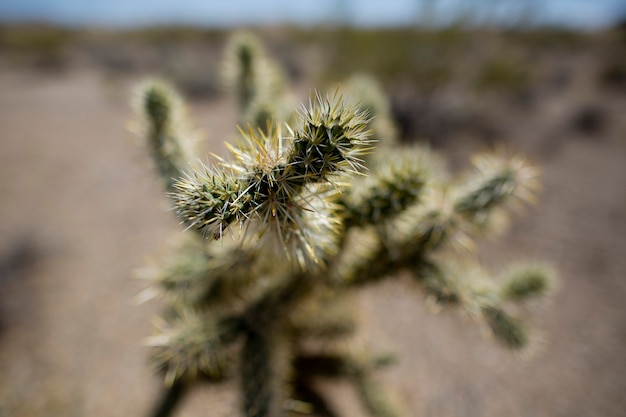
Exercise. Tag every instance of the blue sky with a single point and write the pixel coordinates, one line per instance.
(576, 13)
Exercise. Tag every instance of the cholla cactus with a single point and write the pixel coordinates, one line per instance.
(294, 222)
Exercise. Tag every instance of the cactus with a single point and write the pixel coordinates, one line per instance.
(310, 207)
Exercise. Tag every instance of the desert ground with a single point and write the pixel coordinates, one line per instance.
(81, 209)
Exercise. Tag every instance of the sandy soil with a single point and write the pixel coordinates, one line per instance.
(80, 209)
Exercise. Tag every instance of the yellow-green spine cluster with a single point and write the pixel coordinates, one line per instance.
(267, 179)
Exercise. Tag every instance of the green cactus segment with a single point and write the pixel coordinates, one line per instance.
(527, 282)
(255, 80)
(508, 330)
(190, 346)
(246, 56)
(161, 107)
(499, 182)
(159, 103)
(241, 72)
(266, 356)
(391, 187)
(184, 275)
(263, 385)
(331, 139)
(493, 192)
(434, 229)
(441, 287)
(212, 201)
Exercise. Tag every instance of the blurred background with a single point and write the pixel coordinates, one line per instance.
(81, 208)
